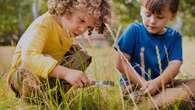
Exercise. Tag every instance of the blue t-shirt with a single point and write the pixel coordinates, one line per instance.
(158, 49)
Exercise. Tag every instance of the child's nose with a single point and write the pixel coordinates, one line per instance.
(152, 20)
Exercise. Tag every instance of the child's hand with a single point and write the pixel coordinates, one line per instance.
(122, 61)
(151, 87)
(77, 78)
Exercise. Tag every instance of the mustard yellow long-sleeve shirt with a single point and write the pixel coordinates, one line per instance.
(41, 47)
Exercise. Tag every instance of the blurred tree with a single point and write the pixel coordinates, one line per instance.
(188, 7)
(188, 16)
(14, 17)
(13, 14)
(17, 15)
(36, 8)
(127, 11)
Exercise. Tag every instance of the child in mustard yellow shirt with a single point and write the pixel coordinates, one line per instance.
(42, 47)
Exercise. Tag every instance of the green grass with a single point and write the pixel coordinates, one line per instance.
(91, 98)
(7, 98)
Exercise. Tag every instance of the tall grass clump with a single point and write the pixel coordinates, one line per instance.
(7, 99)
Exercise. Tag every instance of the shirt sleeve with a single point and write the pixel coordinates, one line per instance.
(176, 50)
(32, 47)
(127, 40)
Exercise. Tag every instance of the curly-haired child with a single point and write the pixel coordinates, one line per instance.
(40, 53)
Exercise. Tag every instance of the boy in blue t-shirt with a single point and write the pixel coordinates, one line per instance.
(153, 50)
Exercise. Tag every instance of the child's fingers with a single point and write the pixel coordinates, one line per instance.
(85, 80)
(148, 90)
(144, 87)
(79, 84)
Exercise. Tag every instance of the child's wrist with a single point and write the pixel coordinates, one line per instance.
(64, 73)
(143, 82)
(158, 82)
(59, 72)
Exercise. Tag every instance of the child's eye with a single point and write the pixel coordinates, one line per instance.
(160, 17)
(147, 14)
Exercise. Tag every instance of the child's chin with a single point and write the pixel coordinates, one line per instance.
(153, 32)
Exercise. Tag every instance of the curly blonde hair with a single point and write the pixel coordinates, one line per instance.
(100, 9)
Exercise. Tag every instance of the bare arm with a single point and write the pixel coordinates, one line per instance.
(74, 77)
(59, 72)
(123, 66)
(169, 73)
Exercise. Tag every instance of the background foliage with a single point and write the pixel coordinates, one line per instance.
(16, 15)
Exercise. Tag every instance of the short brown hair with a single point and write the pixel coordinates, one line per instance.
(155, 6)
(98, 8)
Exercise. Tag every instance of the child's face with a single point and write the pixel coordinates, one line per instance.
(78, 22)
(155, 23)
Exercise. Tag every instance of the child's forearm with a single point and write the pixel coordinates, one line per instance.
(58, 72)
(131, 74)
(74, 77)
(134, 76)
(169, 73)
(127, 69)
